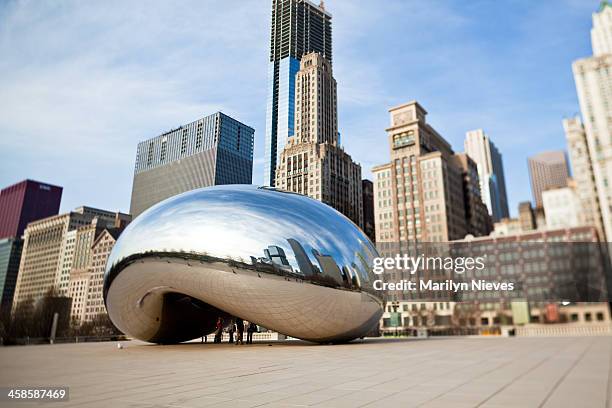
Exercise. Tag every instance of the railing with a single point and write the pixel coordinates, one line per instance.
(530, 330)
(560, 330)
(265, 336)
(24, 341)
(440, 331)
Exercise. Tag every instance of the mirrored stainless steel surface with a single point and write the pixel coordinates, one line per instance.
(282, 260)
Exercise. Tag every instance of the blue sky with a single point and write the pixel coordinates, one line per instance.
(81, 83)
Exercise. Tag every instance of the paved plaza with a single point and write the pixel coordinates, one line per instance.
(438, 372)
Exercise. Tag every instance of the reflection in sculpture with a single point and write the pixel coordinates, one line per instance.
(284, 261)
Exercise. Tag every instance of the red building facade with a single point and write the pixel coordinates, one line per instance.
(25, 202)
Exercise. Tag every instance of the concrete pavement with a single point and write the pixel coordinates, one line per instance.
(437, 372)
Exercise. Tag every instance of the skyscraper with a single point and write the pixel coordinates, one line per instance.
(298, 27)
(10, 254)
(25, 202)
(87, 274)
(601, 33)
(367, 192)
(312, 162)
(477, 217)
(213, 150)
(582, 172)
(100, 251)
(593, 77)
(490, 172)
(78, 264)
(427, 193)
(547, 170)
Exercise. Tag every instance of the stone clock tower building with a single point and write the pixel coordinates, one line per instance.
(312, 162)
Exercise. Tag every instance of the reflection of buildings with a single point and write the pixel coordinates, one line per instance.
(49, 249)
(298, 27)
(329, 267)
(216, 149)
(594, 87)
(327, 272)
(547, 170)
(490, 172)
(170, 278)
(301, 257)
(277, 255)
(421, 194)
(274, 259)
(312, 162)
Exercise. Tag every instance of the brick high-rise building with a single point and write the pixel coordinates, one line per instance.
(601, 33)
(49, 251)
(78, 265)
(545, 266)
(100, 251)
(547, 170)
(527, 217)
(86, 280)
(312, 162)
(477, 216)
(25, 202)
(593, 77)
(582, 173)
(425, 192)
(367, 192)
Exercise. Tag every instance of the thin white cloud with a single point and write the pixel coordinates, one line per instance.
(82, 82)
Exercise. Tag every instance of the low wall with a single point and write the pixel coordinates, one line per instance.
(272, 336)
(560, 330)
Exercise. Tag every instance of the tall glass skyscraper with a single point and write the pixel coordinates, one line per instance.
(298, 27)
(213, 150)
(491, 177)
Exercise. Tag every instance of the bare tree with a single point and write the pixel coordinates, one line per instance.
(99, 326)
(465, 313)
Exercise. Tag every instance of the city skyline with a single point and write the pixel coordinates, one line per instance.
(145, 106)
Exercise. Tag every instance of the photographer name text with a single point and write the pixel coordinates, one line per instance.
(446, 285)
(414, 265)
